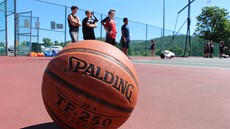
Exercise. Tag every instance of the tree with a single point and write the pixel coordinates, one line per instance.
(47, 42)
(63, 44)
(213, 24)
(2, 44)
(56, 43)
(24, 43)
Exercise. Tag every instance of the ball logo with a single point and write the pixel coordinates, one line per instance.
(77, 65)
(83, 114)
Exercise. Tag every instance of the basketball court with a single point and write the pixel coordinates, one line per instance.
(181, 93)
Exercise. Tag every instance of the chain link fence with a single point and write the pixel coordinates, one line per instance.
(51, 29)
(3, 28)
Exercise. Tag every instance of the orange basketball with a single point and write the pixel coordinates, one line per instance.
(90, 85)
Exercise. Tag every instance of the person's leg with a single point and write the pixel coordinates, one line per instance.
(221, 53)
(112, 41)
(93, 37)
(123, 49)
(107, 40)
(211, 53)
(207, 53)
(127, 48)
(153, 53)
(89, 38)
(74, 36)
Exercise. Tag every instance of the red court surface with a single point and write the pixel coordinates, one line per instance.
(170, 97)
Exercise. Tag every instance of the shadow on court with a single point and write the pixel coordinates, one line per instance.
(51, 125)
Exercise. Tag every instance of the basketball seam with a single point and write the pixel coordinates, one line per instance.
(49, 109)
(84, 108)
(74, 88)
(105, 56)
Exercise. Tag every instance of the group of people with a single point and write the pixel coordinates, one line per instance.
(209, 49)
(90, 22)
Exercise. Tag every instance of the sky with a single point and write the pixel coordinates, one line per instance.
(142, 11)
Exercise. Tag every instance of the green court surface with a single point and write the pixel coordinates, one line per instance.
(214, 63)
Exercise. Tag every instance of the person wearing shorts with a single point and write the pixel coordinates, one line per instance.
(88, 25)
(207, 49)
(153, 44)
(74, 23)
(125, 39)
(110, 28)
(221, 48)
(211, 49)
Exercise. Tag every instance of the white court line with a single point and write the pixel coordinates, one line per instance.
(219, 64)
(174, 65)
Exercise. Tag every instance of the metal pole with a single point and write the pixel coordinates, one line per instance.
(190, 2)
(15, 28)
(161, 39)
(163, 22)
(101, 27)
(65, 22)
(189, 24)
(146, 39)
(188, 38)
(30, 31)
(6, 28)
(38, 30)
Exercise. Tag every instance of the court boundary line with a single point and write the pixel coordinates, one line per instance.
(173, 65)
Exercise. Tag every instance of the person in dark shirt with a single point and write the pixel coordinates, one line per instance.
(125, 38)
(211, 49)
(152, 44)
(205, 50)
(74, 23)
(110, 27)
(104, 21)
(221, 48)
(88, 25)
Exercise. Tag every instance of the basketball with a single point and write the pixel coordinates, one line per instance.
(90, 85)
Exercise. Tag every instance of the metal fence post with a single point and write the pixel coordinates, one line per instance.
(15, 29)
(163, 22)
(65, 22)
(146, 40)
(162, 40)
(38, 29)
(6, 30)
(31, 31)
